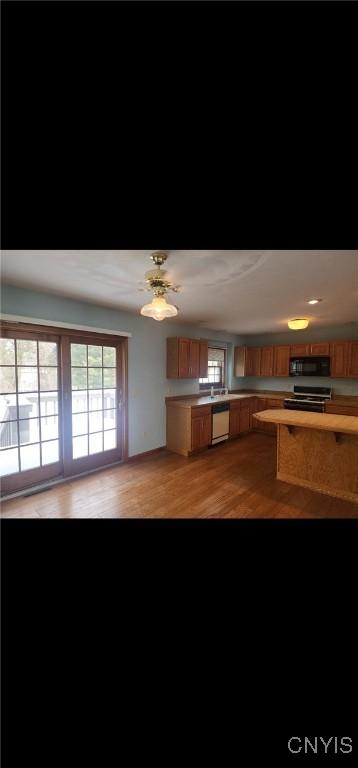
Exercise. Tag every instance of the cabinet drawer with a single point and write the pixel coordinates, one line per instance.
(202, 410)
(246, 402)
(274, 403)
(342, 410)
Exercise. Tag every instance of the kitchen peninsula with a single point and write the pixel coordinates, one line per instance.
(316, 450)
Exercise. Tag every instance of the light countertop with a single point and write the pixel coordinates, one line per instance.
(196, 402)
(325, 421)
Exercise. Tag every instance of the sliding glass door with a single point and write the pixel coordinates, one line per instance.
(30, 410)
(62, 404)
(92, 405)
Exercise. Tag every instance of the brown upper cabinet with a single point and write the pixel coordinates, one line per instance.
(247, 361)
(339, 359)
(353, 359)
(203, 359)
(266, 367)
(320, 349)
(183, 358)
(299, 350)
(281, 361)
(307, 350)
(275, 360)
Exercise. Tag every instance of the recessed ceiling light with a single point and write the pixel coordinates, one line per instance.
(314, 301)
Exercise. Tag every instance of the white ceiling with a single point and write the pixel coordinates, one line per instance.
(236, 291)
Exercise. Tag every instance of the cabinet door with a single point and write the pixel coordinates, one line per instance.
(250, 358)
(206, 431)
(234, 427)
(194, 360)
(259, 426)
(342, 410)
(266, 367)
(256, 361)
(184, 358)
(353, 359)
(253, 409)
(339, 359)
(318, 350)
(196, 432)
(281, 361)
(298, 350)
(244, 418)
(203, 360)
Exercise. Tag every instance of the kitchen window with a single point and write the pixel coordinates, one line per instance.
(216, 369)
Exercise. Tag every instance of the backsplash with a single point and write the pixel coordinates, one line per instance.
(339, 386)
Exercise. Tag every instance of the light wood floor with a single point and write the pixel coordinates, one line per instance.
(232, 480)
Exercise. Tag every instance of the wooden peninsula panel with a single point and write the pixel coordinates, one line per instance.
(317, 450)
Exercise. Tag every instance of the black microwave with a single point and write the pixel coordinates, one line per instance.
(310, 366)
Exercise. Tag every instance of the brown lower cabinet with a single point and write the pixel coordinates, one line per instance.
(200, 431)
(241, 416)
(342, 410)
(188, 429)
(264, 404)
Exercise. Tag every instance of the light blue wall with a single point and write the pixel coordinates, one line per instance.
(339, 386)
(147, 382)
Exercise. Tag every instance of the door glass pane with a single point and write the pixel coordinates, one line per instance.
(109, 357)
(21, 400)
(109, 419)
(109, 398)
(94, 378)
(49, 403)
(110, 439)
(26, 351)
(88, 373)
(78, 354)
(49, 427)
(8, 434)
(80, 424)
(27, 379)
(94, 356)
(50, 452)
(48, 379)
(9, 462)
(29, 431)
(109, 377)
(28, 405)
(79, 447)
(7, 352)
(48, 353)
(95, 443)
(8, 409)
(30, 457)
(95, 399)
(79, 378)
(96, 421)
(79, 401)
(7, 380)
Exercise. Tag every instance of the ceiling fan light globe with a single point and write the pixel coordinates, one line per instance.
(159, 309)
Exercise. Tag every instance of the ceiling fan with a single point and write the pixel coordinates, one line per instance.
(156, 281)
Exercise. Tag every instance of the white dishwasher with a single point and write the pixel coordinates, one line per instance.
(220, 422)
